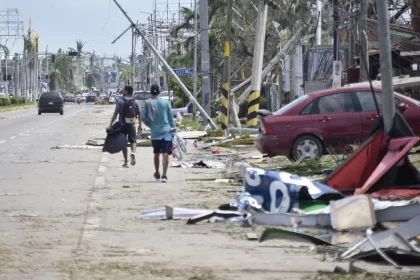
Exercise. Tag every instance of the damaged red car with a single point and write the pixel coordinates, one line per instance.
(327, 121)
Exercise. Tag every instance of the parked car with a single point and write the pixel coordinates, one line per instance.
(165, 95)
(50, 102)
(69, 98)
(141, 97)
(91, 98)
(323, 121)
(112, 99)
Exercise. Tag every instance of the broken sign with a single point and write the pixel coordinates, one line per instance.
(278, 192)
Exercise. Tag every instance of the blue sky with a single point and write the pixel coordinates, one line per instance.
(60, 22)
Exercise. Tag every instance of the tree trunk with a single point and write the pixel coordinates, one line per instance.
(415, 15)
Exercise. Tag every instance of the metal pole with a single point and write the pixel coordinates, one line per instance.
(132, 56)
(335, 31)
(205, 57)
(319, 24)
(388, 107)
(257, 64)
(224, 117)
(17, 93)
(156, 38)
(195, 58)
(168, 68)
(364, 55)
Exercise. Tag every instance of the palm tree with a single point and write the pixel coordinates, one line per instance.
(62, 73)
(92, 75)
(79, 47)
(5, 50)
(125, 74)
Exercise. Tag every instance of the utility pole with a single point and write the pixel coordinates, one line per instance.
(364, 51)
(156, 45)
(280, 85)
(388, 107)
(133, 34)
(205, 57)
(195, 58)
(226, 68)
(337, 66)
(319, 23)
(257, 64)
(168, 67)
(17, 91)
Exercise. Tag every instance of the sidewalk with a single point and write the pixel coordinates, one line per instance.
(115, 245)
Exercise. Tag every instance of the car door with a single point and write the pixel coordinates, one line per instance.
(368, 112)
(338, 119)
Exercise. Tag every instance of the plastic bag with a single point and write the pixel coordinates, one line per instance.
(115, 141)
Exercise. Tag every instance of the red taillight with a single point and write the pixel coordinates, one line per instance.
(265, 129)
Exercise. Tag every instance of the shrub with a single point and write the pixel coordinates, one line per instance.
(4, 101)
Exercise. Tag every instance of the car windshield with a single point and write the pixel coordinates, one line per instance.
(142, 95)
(291, 105)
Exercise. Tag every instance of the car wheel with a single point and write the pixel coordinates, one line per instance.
(307, 148)
(39, 113)
(61, 113)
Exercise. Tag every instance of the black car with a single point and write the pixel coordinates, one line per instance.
(50, 102)
(91, 98)
(69, 98)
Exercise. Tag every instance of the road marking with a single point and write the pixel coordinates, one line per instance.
(12, 137)
(93, 219)
(3, 141)
(101, 169)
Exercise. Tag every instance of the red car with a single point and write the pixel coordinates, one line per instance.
(327, 120)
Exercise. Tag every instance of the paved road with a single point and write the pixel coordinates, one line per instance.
(69, 213)
(43, 191)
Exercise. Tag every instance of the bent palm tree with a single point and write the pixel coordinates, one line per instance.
(5, 49)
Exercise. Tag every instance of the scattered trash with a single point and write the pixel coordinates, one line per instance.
(346, 268)
(355, 212)
(251, 236)
(215, 151)
(199, 164)
(280, 191)
(177, 213)
(192, 134)
(224, 215)
(276, 233)
(126, 187)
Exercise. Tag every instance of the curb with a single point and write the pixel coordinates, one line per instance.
(17, 108)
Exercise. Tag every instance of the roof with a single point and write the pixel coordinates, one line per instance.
(398, 32)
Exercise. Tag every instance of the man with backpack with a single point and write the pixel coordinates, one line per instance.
(128, 110)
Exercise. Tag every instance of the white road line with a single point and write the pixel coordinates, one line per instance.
(102, 169)
(3, 141)
(90, 228)
(12, 137)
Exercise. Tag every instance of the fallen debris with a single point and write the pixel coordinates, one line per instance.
(355, 212)
(199, 164)
(251, 236)
(224, 215)
(276, 233)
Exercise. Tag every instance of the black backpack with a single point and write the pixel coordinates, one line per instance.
(129, 111)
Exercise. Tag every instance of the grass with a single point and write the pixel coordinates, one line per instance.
(17, 106)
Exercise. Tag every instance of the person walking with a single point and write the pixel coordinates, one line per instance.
(157, 114)
(128, 110)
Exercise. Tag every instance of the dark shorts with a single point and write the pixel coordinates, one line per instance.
(130, 131)
(162, 147)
